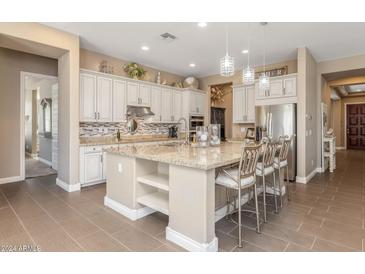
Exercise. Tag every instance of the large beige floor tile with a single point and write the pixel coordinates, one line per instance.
(56, 240)
(100, 242)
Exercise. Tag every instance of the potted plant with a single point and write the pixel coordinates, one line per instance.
(134, 70)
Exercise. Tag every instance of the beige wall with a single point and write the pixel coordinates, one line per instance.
(91, 60)
(47, 41)
(11, 63)
(206, 82)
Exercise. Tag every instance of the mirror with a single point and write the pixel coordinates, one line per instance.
(46, 104)
(132, 125)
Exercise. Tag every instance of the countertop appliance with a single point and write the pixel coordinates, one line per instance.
(173, 131)
(277, 120)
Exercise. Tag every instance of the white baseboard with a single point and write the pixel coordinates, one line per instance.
(340, 148)
(12, 179)
(67, 187)
(190, 244)
(44, 161)
(320, 170)
(132, 214)
(34, 155)
(304, 180)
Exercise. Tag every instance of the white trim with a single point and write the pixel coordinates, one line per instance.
(34, 155)
(340, 148)
(304, 180)
(67, 187)
(345, 119)
(132, 214)
(10, 180)
(23, 74)
(320, 170)
(190, 244)
(44, 161)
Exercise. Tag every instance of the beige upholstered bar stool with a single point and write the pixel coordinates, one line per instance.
(281, 162)
(241, 178)
(265, 168)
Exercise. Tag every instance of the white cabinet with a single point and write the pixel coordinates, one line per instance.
(197, 103)
(177, 103)
(91, 164)
(290, 86)
(104, 99)
(87, 97)
(166, 108)
(282, 89)
(276, 88)
(138, 94)
(156, 104)
(119, 101)
(244, 104)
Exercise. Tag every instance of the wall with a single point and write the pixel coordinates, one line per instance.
(47, 41)
(30, 121)
(206, 82)
(11, 63)
(91, 60)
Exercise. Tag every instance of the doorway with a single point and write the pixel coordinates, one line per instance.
(355, 129)
(40, 124)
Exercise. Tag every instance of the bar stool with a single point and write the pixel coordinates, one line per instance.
(266, 168)
(280, 162)
(239, 179)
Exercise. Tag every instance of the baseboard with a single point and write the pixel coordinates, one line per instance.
(320, 170)
(132, 214)
(340, 148)
(34, 155)
(12, 179)
(304, 180)
(67, 187)
(190, 244)
(44, 161)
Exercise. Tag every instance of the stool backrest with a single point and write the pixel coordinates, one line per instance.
(249, 155)
(270, 149)
(285, 142)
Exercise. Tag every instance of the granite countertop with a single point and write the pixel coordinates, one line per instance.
(184, 155)
(128, 139)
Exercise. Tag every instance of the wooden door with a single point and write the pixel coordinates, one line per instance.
(355, 130)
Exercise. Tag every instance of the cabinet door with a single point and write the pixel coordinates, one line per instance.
(104, 99)
(290, 86)
(238, 104)
(200, 103)
(250, 103)
(132, 94)
(259, 93)
(87, 97)
(276, 88)
(145, 95)
(93, 167)
(119, 101)
(166, 105)
(156, 104)
(177, 99)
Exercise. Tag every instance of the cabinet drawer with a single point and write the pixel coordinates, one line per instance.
(90, 149)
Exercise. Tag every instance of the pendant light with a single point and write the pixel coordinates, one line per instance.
(248, 73)
(227, 62)
(264, 80)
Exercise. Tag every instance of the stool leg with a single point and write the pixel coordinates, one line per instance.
(228, 203)
(287, 182)
(275, 198)
(239, 219)
(257, 211)
(264, 194)
(280, 192)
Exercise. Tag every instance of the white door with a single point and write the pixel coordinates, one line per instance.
(290, 86)
(87, 97)
(250, 103)
(55, 126)
(166, 101)
(132, 94)
(276, 88)
(238, 104)
(104, 99)
(145, 95)
(200, 103)
(156, 104)
(93, 167)
(260, 94)
(119, 101)
(177, 99)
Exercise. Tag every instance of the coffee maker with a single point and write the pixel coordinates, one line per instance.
(173, 131)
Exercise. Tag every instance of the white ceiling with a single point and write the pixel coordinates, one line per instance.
(204, 46)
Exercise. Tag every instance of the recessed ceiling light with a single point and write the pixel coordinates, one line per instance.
(245, 51)
(145, 48)
(192, 65)
(202, 24)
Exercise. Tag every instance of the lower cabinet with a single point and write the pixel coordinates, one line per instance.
(92, 166)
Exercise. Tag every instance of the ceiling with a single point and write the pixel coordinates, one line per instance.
(204, 46)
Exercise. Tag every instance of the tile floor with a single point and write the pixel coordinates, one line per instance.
(325, 215)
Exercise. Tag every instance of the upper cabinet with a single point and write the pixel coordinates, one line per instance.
(119, 100)
(197, 102)
(104, 99)
(244, 104)
(177, 100)
(282, 89)
(138, 94)
(156, 104)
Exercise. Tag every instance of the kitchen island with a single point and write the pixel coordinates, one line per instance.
(175, 179)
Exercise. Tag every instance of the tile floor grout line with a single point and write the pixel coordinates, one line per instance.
(286, 247)
(18, 218)
(300, 226)
(322, 222)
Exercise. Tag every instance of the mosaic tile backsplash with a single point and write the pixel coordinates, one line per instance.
(94, 129)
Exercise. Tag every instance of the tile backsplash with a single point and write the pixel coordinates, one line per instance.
(95, 129)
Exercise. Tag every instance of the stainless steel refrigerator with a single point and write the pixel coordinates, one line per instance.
(278, 120)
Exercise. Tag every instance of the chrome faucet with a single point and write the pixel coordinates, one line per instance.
(186, 130)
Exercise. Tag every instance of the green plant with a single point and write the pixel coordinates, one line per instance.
(134, 70)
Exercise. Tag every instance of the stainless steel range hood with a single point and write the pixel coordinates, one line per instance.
(134, 111)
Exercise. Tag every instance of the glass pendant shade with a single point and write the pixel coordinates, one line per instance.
(248, 75)
(264, 82)
(227, 66)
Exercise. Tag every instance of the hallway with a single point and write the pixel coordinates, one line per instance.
(325, 215)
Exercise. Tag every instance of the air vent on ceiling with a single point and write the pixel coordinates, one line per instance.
(168, 37)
